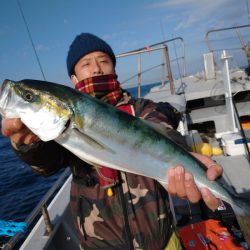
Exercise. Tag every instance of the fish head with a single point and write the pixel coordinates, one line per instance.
(40, 105)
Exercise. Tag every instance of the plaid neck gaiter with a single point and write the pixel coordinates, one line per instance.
(103, 87)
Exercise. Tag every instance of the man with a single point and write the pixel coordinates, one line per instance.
(112, 209)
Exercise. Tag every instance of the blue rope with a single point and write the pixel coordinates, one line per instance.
(10, 228)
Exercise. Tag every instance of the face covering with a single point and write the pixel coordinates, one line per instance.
(104, 87)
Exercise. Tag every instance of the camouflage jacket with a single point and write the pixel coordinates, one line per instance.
(137, 215)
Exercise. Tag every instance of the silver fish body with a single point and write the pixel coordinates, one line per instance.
(97, 132)
(103, 135)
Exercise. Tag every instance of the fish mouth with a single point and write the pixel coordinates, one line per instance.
(5, 96)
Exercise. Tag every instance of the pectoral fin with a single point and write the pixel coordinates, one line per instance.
(158, 127)
(95, 144)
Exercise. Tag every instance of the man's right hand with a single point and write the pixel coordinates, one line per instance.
(17, 132)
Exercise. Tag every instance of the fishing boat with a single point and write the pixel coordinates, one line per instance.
(215, 120)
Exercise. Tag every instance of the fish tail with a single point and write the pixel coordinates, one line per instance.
(242, 213)
(244, 223)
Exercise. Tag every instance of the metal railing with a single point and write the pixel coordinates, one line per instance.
(166, 62)
(236, 28)
(41, 208)
(240, 49)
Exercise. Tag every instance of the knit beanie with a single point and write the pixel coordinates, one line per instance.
(84, 44)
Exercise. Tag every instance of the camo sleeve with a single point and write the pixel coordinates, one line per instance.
(45, 158)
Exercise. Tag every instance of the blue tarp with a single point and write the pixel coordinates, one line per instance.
(10, 228)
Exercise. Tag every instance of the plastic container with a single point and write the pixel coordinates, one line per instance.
(233, 144)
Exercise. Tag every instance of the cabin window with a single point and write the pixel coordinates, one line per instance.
(205, 129)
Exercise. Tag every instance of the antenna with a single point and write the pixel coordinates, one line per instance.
(31, 40)
(248, 11)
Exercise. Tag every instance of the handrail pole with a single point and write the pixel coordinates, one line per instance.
(163, 69)
(139, 75)
(47, 221)
(184, 59)
(228, 91)
(170, 78)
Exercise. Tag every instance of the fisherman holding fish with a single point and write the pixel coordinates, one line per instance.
(114, 209)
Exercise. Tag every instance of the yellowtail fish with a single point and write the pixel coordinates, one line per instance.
(103, 135)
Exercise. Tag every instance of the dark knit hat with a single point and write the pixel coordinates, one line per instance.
(84, 44)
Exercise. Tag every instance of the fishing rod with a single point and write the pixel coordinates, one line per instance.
(31, 40)
(243, 134)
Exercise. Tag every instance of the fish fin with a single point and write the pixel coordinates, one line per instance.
(244, 223)
(156, 126)
(89, 140)
(242, 213)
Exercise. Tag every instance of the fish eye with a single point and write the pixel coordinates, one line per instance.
(28, 96)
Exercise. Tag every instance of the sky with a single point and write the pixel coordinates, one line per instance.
(125, 24)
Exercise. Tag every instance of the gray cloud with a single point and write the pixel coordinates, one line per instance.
(208, 13)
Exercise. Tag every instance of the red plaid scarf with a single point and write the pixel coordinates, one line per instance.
(103, 87)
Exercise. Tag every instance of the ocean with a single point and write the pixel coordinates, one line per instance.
(20, 188)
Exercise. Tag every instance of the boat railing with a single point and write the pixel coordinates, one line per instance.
(166, 61)
(243, 46)
(41, 208)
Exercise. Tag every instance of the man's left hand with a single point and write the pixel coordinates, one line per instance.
(181, 182)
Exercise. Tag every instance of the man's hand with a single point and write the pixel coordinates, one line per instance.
(181, 183)
(17, 132)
